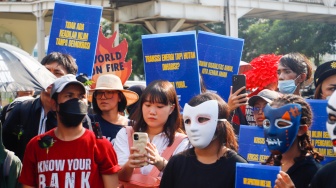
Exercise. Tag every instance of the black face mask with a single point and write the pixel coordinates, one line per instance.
(72, 112)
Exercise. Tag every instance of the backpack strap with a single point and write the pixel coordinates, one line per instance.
(8, 162)
(89, 122)
(168, 152)
(129, 131)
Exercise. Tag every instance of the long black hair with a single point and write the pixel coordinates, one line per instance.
(224, 131)
(160, 91)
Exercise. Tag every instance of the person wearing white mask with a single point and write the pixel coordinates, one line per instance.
(325, 176)
(214, 152)
(293, 70)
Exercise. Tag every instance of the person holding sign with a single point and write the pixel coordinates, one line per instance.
(325, 176)
(325, 80)
(286, 123)
(110, 98)
(158, 115)
(213, 157)
(293, 70)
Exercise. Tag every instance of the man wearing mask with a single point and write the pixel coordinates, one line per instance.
(69, 155)
(36, 116)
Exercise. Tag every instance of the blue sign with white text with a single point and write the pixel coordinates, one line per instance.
(219, 57)
(173, 57)
(74, 31)
(252, 144)
(255, 175)
(318, 131)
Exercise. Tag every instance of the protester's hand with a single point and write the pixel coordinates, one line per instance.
(283, 181)
(154, 157)
(135, 159)
(236, 100)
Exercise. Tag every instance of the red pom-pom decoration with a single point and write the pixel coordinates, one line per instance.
(264, 71)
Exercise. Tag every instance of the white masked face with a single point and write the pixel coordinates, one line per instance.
(201, 122)
(331, 123)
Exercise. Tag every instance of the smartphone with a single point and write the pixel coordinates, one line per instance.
(238, 81)
(140, 142)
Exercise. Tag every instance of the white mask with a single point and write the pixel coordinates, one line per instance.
(331, 123)
(201, 122)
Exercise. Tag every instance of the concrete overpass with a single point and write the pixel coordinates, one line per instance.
(30, 20)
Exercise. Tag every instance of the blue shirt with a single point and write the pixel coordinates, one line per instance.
(108, 129)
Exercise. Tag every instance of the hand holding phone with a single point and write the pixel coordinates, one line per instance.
(238, 81)
(140, 142)
(237, 99)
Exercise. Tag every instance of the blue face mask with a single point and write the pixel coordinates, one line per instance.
(281, 126)
(287, 86)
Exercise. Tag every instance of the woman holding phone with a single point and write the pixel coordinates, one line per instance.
(158, 115)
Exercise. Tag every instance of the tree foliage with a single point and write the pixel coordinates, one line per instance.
(132, 33)
(264, 36)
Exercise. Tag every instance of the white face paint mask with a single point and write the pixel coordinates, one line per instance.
(331, 122)
(201, 122)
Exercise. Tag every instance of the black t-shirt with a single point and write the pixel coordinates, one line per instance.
(184, 170)
(302, 171)
(108, 129)
(325, 177)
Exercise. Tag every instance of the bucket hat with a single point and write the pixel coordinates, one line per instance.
(113, 82)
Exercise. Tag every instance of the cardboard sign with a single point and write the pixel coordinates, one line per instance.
(111, 59)
(318, 131)
(255, 175)
(252, 144)
(219, 57)
(74, 31)
(173, 57)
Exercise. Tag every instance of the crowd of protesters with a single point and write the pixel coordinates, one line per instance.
(63, 141)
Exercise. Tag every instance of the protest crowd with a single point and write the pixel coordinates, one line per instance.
(44, 131)
(256, 129)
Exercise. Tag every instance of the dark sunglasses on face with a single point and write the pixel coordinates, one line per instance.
(107, 94)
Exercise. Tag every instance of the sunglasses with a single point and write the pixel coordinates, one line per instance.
(257, 110)
(107, 94)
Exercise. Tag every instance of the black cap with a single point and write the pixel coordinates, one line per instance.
(324, 71)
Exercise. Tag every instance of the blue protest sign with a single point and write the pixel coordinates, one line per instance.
(219, 57)
(74, 31)
(318, 132)
(255, 175)
(252, 144)
(173, 57)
